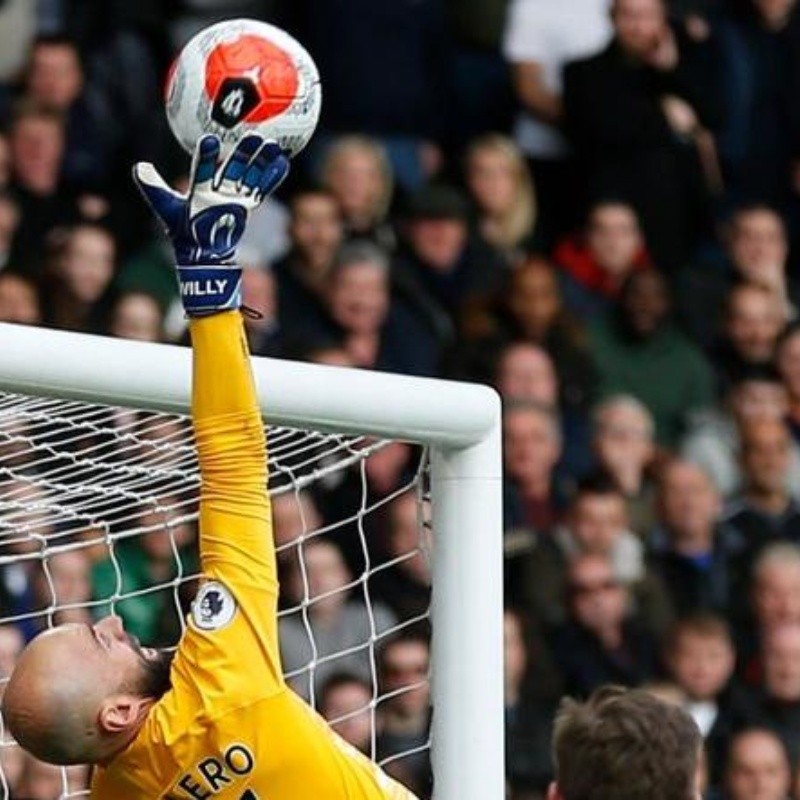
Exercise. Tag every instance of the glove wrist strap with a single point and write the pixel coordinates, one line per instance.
(208, 289)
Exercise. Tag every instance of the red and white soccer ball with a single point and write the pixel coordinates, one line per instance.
(242, 76)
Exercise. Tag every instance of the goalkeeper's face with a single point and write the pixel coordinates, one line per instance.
(81, 692)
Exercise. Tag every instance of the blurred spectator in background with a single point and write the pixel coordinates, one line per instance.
(336, 620)
(700, 658)
(534, 498)
(404, 109)
(19, 299)
(757, 767)
(596, 523)
(779, 697)
(81, 268)
(638, 351)
(264, 332)
(54, 80)
(787, 358)
(596, 263)
(136, 315)
(357, 172)
(162, 551)
(530, 708)
(502, 192)
(441, 266)
(345, 701)
(406, 588)
(11, 644)
(36, 140)
(404, 716)
(756, 250)
(376, 332)
(760, 51)
(315, 230)
(601, 643)
(693, 554)
(540, 39)
(47, 782)
(18, 27)
(765, 511)
(754, 319)
(639, 114)
(623, 441)
(712, 441)
(9, 222)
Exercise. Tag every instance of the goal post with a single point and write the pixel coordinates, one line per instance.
(459, 423)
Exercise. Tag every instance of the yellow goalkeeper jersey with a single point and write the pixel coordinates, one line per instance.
(230, 728)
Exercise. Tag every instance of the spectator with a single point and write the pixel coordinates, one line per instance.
(757, 767)
(357, 172)
(779, 699)
(638, 351)
(600, 644)
(36, 141)
(756, 249)
(54, 80)
(156, 557)
(406, 587)
(19, 299)
(529, 713)
(404, 109)
(404, 716)
(700, 658)
(501, 189)
(11, 644)
(442, 267)
(693, 553)
(636, 114)
(755, 394)
(596, 523)
(526, 372)
(764, 511)
(759, 56)
(623, 443)
(63, 582)
(595, 264)
(264, 332)
(47, 782)
(534, 498)
(346, 703)
(376, 333)
(540, 39)
(9, 222)
(754, 320)
(80, 274)
(315, 230)
(788, 362)
(529, 309)
(137, 315)
(336, 621)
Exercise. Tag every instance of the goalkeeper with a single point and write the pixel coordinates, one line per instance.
(217, 720)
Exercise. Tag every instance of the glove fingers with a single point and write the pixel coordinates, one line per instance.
(267, 170)
(167, 203)
(236, 165)
(204, 161)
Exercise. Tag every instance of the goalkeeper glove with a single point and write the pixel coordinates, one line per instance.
(206, 224)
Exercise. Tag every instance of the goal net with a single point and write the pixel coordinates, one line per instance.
(98, 514)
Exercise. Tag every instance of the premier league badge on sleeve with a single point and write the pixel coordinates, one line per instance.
(214, 607)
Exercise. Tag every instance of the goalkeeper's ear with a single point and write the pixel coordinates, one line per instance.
(167, 204)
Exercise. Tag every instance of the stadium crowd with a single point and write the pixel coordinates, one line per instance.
(593, 206)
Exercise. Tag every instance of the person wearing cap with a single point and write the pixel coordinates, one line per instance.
(442, 264)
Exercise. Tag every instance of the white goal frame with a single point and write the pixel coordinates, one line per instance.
(459, 422)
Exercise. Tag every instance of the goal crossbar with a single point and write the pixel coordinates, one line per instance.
(460, 423)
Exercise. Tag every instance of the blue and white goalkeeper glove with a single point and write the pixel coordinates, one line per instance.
(206, 224)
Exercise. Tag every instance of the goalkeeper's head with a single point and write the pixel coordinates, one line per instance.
(80, 693)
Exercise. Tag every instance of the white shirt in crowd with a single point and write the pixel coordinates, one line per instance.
(552, 33)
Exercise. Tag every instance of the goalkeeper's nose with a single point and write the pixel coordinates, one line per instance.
(112, 627)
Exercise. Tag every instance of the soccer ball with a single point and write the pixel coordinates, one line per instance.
(242, 76)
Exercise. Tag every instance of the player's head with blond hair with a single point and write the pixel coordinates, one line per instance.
(80, 693)
(625, 744)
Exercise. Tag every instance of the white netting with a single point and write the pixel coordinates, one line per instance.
(98, 510)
